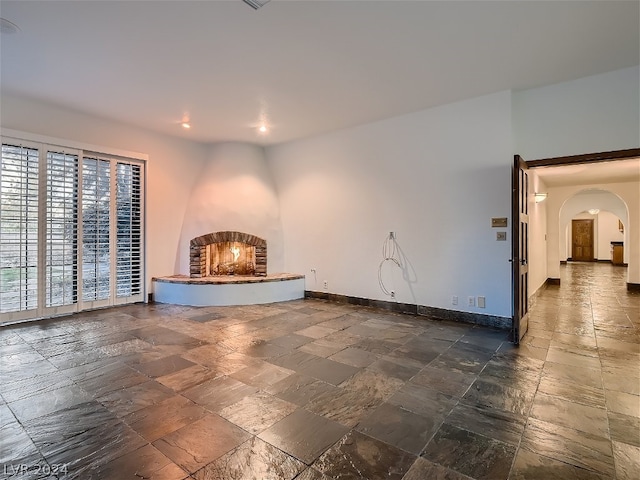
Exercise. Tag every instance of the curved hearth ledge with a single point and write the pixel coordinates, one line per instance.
(221, 291)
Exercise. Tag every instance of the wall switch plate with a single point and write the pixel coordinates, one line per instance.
(454, 299)
(482, 302)
(471, 301)
(501, 236)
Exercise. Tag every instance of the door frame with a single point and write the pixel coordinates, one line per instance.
(609, 156)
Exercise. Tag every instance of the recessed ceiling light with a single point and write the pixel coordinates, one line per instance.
(7, 27)
(186, 125)
(263, 129)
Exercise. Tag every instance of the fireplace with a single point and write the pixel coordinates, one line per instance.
(228, 253)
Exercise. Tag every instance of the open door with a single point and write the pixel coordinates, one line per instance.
(520, 248)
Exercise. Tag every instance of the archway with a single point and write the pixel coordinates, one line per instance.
(590, 203)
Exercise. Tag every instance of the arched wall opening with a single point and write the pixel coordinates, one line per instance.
(565, 203)
(599, 202)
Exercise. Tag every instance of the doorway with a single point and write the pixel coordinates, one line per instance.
(582, 240)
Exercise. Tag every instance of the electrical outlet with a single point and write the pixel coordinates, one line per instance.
(325, 284)
(471, 301)
(482, 302)
(393, 294)
(454, 299)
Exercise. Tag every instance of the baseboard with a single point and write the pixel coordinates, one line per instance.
(633, 287)
(552, 281)
(494, 321)
(603, 261)
(563, 262)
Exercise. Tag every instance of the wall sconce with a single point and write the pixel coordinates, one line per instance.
(594, 211)
(539, 197)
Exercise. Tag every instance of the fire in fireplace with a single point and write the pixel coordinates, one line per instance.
(228, 253)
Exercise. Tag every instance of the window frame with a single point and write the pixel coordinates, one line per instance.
(46, 146)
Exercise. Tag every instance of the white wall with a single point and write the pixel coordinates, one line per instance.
(171, 171)
(235, 191)
(435, 177)
(608, 231)
(537, 235)
(593, 114)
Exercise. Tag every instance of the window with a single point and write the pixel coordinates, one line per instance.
(71, 230)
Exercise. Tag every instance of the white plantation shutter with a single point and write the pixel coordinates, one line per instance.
(96, 229)
(129, 230)
(71, 231)
(19, 229)
(61, 244)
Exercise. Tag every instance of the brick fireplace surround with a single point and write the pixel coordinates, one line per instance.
(198, 249)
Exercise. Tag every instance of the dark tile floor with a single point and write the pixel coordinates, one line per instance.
(313, 390)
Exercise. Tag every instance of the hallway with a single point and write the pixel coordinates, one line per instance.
(318, 391)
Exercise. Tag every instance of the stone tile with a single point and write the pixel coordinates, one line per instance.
(359, 456)
(316, 331)
(291, 340)
(157, 335)
(321, 347)
(451, 382)
(399, 427)
(572, 392)
(624, 428)
(317, 367)
(145, 462)
(564, 357)
(257, 412)
(187, 378)
(627, 460)
(572, 415)
(423, 350)
(471, 454)
(262, 375)
(580, 449)
(36, 385)
(83, 437)
(219, 393)
(300, 389)
(347, 407)
(131, 399)
(263, 349)
(583, 376)
(464, 357)
(393, 367)
(423, 469)
(373, 385)
(252, 460)
(624, 403)
(207, 354)
(376, 346)
(163, 366)
(193, 447)
(312, 474)
(165, 417)
(423, 400)
(49, 402)
(498, 396)
(504, 426)
(354, 357)
(304, 435)
(531, 466)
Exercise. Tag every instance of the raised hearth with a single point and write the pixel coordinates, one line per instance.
(228, 290)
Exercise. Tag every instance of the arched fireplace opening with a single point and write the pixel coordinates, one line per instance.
(228, 253)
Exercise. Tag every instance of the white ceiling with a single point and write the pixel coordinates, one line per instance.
(591, 173)
(303, 67)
